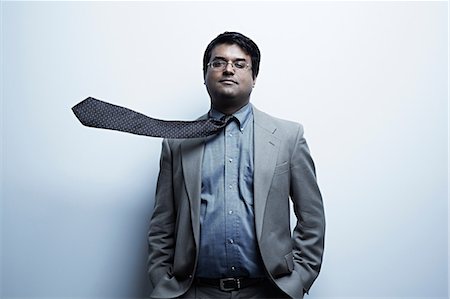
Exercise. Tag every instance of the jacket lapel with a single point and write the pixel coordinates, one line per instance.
(191, 160)
(266, 152)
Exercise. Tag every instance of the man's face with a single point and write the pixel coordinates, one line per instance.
(229, 88)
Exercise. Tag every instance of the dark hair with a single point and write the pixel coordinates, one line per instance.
(234, 38)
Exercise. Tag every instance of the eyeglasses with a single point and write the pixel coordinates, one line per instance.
(221, 65)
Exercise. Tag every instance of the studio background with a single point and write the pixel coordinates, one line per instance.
(368, 80)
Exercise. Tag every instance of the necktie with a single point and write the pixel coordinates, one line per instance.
(98, 114)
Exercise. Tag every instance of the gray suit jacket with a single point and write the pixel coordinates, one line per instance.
(283, 169)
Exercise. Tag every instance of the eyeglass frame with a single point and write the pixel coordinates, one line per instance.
(226, 63)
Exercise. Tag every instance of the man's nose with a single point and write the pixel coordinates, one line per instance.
(229, 68)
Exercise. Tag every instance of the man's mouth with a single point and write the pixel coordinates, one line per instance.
(228, 81)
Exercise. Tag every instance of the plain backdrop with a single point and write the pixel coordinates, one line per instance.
(368, 80)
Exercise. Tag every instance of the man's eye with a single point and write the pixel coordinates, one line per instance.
(240, 64)
(217, 63)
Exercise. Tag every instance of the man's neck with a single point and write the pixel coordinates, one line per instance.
(228, 110)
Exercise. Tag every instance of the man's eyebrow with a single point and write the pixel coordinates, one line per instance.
(224, 59)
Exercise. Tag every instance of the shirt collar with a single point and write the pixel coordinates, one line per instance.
(243, 115)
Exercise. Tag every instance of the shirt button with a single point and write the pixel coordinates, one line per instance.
(231, 135)
(230, 212)
(231, 160)
(233, 268)
(231, 187)
(231, 241)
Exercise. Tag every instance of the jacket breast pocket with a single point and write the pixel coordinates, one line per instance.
(281, 168)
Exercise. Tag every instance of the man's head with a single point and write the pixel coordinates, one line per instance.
(230, 67)
(235, 38)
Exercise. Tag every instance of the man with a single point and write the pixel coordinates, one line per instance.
(220, 226)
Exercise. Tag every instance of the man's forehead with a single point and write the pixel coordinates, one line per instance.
(234, 50)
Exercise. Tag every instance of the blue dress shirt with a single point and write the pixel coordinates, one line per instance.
(228, 246)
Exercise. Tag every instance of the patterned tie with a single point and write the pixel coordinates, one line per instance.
(98, 114)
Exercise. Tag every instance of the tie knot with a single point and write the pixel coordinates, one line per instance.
(227, 118)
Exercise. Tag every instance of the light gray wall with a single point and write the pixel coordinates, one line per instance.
(367, 79)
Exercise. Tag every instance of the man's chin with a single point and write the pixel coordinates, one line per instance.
(227, 88)
(227, 93)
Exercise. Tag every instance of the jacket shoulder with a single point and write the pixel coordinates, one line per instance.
(277, 126)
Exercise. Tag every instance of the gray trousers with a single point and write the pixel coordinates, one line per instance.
(263, 290)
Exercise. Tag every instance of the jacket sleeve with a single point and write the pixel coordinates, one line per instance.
(161, 233)
(309, 232)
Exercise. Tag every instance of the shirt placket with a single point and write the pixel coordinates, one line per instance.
(231, 198)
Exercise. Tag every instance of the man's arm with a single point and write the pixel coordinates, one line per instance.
(308, 235)
(161, 234)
